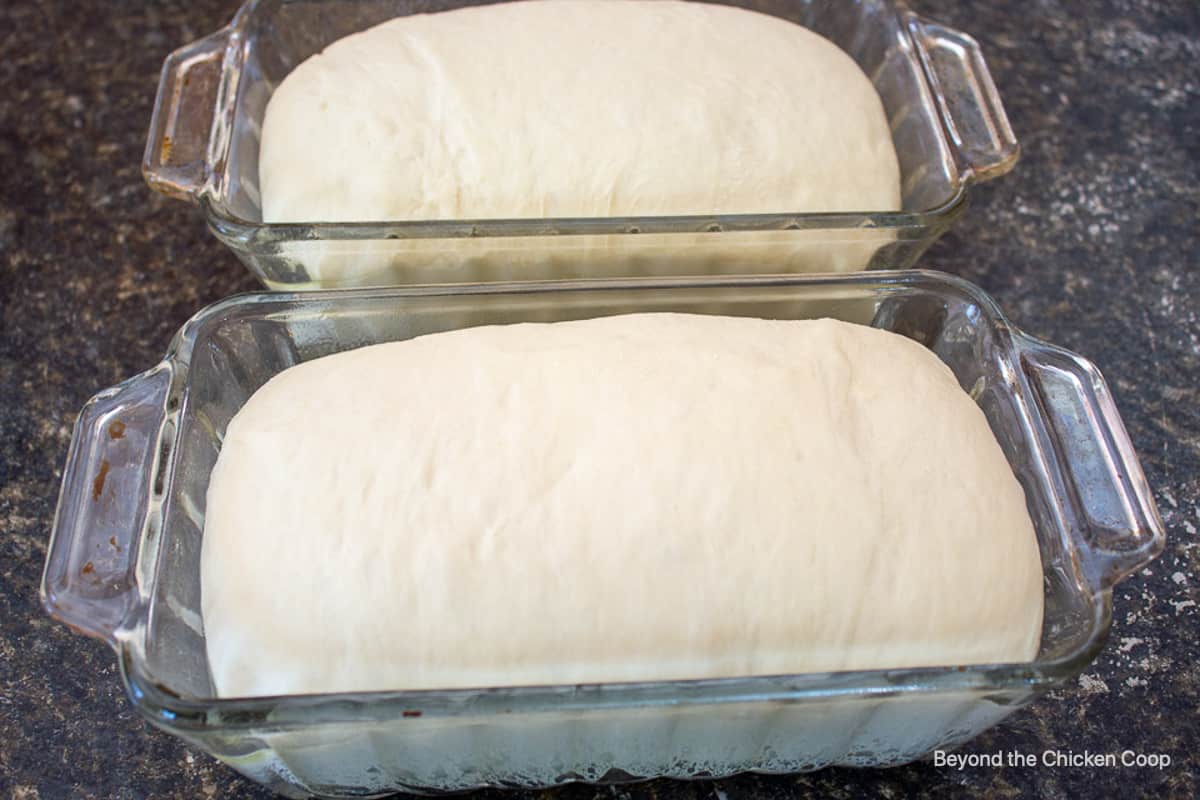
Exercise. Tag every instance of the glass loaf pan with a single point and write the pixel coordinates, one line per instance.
(123, 563)
(947, 123)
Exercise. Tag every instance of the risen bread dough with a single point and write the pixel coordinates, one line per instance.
(626, 498)
(576, 108)
(571, 108)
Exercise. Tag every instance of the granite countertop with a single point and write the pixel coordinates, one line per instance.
(1092, 243)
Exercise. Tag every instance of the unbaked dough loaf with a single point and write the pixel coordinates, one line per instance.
(560, 108)
(635, 497)
(570, 108)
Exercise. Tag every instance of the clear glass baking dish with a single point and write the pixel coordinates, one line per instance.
(123, 562)
(947, 122)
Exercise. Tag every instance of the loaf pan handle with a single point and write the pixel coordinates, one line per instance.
(1109, 507)
(90, 580)
(176, 158)
(967, 99)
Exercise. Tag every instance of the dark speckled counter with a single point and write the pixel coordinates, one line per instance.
(1093, 243)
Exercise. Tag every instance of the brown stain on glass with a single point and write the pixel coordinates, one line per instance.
(116, 430)
(98, 484)
(88, 568)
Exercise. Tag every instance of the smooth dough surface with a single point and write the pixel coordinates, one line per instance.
(560, 108)
(636, 497)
